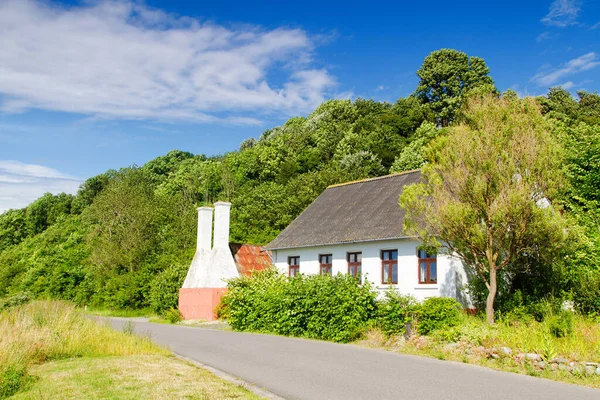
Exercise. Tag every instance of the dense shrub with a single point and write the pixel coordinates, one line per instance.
(14, 301)
(164, 289)
(394, 310)
(561, 324)
(320, 307)
(438, 313)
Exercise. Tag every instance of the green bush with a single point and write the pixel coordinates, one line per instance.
(13, 379)
(14, 301)
(173, 315)
(394, 310)
(164, 289)
(320, 307)
(561, 324)
(438, 313)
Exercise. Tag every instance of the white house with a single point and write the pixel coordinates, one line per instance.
(357, 228)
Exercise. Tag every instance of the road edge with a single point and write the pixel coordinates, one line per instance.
(232, 379)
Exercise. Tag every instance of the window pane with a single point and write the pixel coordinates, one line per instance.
(433, 271)
(395, 255)
(358, 271)
(422, 254)
(395, 273)
(386, 255)
(351, 257)
(329, 257)
(422, 271)
(386, 275)
(359, 257)
(351, 270)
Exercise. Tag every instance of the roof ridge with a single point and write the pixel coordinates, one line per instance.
(374, 179)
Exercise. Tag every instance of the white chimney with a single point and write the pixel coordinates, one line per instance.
(222, 218)
(204, 237)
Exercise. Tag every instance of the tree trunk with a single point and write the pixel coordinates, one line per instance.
(489, 307)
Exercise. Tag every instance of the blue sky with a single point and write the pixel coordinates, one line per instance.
(90, 85)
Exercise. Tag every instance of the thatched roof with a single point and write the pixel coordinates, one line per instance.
(358, 211)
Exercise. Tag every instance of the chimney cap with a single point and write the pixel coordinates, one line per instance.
(222, 203)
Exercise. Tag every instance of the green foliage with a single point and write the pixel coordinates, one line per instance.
(13, 379)
(14, 301)
(394, 311)
(164, 289)
(561, 324)
(412, 156)
(446, 78)
(319, 307)
(438, 313)
(172, 315)
(485, 186)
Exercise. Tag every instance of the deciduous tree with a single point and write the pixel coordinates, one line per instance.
(487, 189)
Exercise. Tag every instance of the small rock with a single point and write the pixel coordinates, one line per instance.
(507, 351)
(542, 364)
(576, 370)
(598, 371)
(590, 370)
(560, 360)
(563, 367)
(451, 346)
(554, 366)
(572, 364)
(494, 356)
(533, 357)
(468, 351)
(592, 364)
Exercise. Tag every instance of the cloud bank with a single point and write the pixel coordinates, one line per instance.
(120, 59)
(552, 75)
(563, 13)
(20, 183)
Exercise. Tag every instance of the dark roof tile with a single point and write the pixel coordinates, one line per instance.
(350, 212)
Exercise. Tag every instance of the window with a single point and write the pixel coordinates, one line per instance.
(355, 265)
(325, 261)
(427, 267)
(389, 266)
(294, 265)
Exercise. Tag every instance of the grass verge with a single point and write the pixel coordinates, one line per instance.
(513, 346)
(49, 349)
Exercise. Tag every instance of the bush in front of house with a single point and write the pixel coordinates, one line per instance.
(164, 288)
(438, 313)
(334, 308)
(394, 311)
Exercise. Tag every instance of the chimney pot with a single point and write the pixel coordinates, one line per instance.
(222, 219)
(204, 237)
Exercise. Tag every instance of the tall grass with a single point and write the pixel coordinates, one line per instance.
(49, 330)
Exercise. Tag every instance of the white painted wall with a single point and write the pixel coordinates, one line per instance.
(450, 272)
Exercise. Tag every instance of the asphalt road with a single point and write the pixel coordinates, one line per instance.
(307, 369)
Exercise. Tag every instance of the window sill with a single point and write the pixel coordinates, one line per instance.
(427, 286)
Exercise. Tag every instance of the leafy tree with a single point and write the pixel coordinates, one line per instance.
(486, 190)
(446, 77)
(412, 156)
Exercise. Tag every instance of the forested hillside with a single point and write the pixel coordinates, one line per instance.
(126, 239)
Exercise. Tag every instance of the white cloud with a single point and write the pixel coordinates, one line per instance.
(551, 75)
(543, 36)
(568, 85)
(120, 59)
(562, 13)
(21, 183)
(596, 25)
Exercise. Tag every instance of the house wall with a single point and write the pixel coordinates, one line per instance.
(451, 275)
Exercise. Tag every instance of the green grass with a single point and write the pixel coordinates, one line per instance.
(45, 346)
(128, 377)
(105, 312)
(474, 339)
